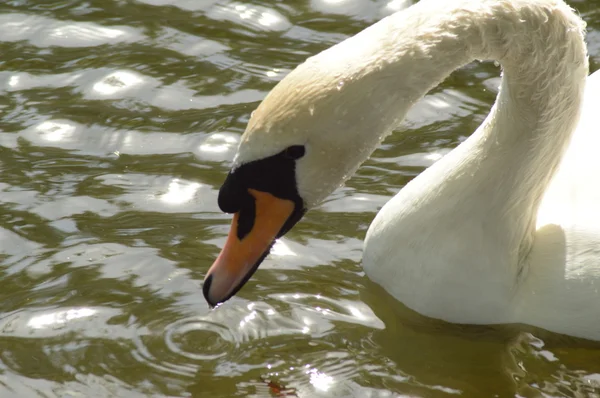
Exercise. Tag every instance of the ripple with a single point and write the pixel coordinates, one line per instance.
(397, 5)
(215, 340)
(250, 16)
(15, 248)
(110, 84)
(116, 83)
(84, 386)
(162, 193)
(46, 32)
(316, 311)
(55, 130)
(290, 255)
(444, 106)
(143, 265)
(359, 9)
(218, 147)
(179, 192)
(52, 322)
(56, 133)
(178, 97)
(14, 244)
(418, 159)
(188, 44)
(190, 5)
(85, 34)
(100, 140)
(55, 209)
(16, 81)
(348, 200)
(192, 343)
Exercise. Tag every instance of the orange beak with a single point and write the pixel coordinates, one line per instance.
(240, 258)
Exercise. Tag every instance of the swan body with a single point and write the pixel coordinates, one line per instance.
(556, 282)
(503, 229)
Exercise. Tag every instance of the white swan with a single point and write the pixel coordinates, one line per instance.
(504, 229)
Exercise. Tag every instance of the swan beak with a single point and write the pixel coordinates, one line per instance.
(239, 258)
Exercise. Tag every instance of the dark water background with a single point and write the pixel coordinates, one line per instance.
(118, 120)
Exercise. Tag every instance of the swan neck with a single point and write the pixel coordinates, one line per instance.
(538, 43)
(343, 102)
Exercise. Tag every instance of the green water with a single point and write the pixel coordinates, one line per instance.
(118, 122)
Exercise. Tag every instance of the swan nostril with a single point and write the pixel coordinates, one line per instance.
(246, 217)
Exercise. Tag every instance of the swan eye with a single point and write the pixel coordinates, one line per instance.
(294, 152)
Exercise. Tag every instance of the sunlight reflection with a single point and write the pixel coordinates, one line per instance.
(350, 8)
(272, 73)
(214, 148)
(280, 248)
(440, 107)
(332, 309)
(440, 103)
(539, 344)
(83, 31)
(13, 81)
(180, 192)
(59, 318)
(44, 32)
(548, 356)
(593, 380)
(434, 156)
(320, 380)
(356, 313)
(218, 143)
(116, 82)
(254, 16)
(248, 318)
(16, 26)
(55, 131)
(397, 5)
(25, 81)
(265, 18)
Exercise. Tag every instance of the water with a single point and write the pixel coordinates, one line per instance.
(118, 122)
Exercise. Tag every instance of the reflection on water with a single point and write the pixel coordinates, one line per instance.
(119, 120)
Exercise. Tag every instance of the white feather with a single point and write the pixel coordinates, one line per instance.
(506, 227)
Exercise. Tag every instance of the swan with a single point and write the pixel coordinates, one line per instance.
(503, 229)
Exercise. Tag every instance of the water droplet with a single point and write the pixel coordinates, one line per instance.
(311, 110)
(496, 64)
(340, 85)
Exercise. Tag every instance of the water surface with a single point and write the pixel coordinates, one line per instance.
(119, 120)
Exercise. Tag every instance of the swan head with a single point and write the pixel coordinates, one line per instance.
(308, 136)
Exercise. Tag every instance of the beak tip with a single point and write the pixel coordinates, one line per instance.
(206, 291)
